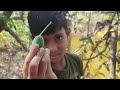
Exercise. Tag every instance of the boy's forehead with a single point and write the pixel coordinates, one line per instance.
(54, 34)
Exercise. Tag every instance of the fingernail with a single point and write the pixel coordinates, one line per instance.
(36, 46)
(47, 50)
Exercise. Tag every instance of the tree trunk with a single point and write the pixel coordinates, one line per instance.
(113, 49)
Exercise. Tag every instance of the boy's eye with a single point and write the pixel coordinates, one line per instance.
(59, 38)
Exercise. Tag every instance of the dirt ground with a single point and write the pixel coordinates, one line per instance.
(11, 63)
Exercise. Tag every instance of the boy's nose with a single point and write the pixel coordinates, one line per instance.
(52, 47)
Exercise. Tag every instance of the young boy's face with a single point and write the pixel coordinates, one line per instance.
(57, 44)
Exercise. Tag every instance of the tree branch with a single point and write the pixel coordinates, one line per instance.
(16, 37)
(98, 53)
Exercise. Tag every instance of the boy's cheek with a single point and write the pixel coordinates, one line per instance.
(63, 41)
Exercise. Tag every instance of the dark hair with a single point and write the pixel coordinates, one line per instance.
(38, 20)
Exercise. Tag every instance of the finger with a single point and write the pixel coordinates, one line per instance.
(28, 58)
(49, 64)
(49, 73)
(43, 64)
(34, 64)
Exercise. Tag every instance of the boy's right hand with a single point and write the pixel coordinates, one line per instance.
(37, 64)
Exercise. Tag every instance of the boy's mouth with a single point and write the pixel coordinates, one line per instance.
(54, 56)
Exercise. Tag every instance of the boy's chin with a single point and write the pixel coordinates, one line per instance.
(55, 60)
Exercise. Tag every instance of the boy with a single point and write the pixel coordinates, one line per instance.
(52, 61)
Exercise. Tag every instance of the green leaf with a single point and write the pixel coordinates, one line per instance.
(101, 57)
(85, 51)
(13, 24)
(79, 20)
(100, 73)
(83, 39)
(75, 29)
(91, 41)
(100, 67)
(4, 18)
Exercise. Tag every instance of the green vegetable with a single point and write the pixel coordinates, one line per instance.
(39, 39)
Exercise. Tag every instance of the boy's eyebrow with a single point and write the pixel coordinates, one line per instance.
(47, 37)
(59, 33)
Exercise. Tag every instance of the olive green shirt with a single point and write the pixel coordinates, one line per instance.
(74, 68)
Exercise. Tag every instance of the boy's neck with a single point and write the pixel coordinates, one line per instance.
(60, 65)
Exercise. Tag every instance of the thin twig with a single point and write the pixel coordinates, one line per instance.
(87, 64)
(45, 28)
(98, 53)
(105, 55)
(84, 44)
